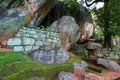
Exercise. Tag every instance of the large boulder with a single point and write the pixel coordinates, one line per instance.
(67, 29)
(109, 64)
(86, 31)
(49, 55)
(86, 24)
(11, 21)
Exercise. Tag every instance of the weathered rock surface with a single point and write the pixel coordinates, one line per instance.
(82, 65)
(86, 31)
(109, 64)
(67, 29)
(65, 76)
(79, 69)
(37, 9)
(7, 4)
(86, 24)
(87, 77)
(50, 54)
(11, 21)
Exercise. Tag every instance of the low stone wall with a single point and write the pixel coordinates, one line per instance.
(28, 39)
(101, 52)
(109, 53)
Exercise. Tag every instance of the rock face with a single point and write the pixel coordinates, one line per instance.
(86, 24)
(86, 31)
(67, 29)
(65, 76)
(37, 9)
(109, 64)
(7, 4)
(10, 23)
(50, 54)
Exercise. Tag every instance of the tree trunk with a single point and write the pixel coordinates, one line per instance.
(107, 41)
(107, 34)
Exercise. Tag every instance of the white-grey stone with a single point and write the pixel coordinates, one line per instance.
(27, 48)
(18, 35)
(28, 41)
(18, 49)
(65, 76)
(39, 43)
(26, 35)
(14, 41)
(35, 47)
(33, 32)
(93, 45)
(61, 55)
(109, 64)
(41, 36)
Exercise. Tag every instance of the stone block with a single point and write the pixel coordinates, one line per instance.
(28, 41)
(39, 43)
(115, 49)
(33, 32)
(100, 55)
(14, 41)
(18, 49)
(28, 48)
(35, 47)
(26, 35)
(117, 56)
(41, 36)
(18, 35)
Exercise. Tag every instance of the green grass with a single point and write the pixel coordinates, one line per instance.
(17, 66)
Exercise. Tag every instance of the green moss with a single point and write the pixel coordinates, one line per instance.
(39, 28)
(17, 66)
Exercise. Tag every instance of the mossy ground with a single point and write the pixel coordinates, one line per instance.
(18, 66)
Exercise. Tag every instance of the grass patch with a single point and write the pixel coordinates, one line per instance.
(18, 66)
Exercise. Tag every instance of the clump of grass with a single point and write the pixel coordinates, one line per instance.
(18, 66)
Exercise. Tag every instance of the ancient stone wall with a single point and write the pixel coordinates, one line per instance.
(28, 39)
(109, 53)
(113, 53)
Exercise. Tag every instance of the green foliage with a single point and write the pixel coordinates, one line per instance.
(109, 18)
(72, 4)
(17, 66)
(39, 28)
